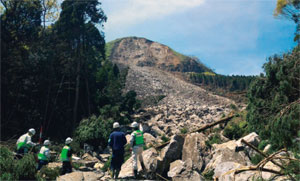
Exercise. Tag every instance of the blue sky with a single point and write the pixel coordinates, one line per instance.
(233, 37)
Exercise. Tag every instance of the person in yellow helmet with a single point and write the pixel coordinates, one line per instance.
(137, 143)
(66, 157)
(24, 143)
(44, 155)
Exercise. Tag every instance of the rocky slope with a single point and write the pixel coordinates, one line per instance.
(151, 75)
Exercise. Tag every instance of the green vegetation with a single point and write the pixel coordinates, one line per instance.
(209, 175)
(48, 174)
(109, 46)
(224, 82)
(183, 130)
(23, 169)
(273, 109)
(256, 159)
(237, 127)
(106, 165)
(164, 138)
(214, 139)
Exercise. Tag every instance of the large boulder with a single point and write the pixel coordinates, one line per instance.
(226, 153)
(184, 171)
(194, 148)
(150, 162)
(175, 168)
(170, 153)
(251, 138)
(149, 140)
(80, 176)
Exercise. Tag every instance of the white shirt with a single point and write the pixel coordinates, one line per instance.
(27, 139)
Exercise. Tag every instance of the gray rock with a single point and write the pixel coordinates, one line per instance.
(170, 153)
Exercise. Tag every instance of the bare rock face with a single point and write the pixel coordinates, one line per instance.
(194, 148)
(251, 138)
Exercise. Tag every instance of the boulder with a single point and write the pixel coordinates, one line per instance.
(149, 139)
(54, 164)
(186, 173)
(267, 148)
(79, 176)
(150, 162)
(175, 168)
(226, 153)
(104, 157)
(251, 138)
(194, 148)
(170, 153)
(156, 131)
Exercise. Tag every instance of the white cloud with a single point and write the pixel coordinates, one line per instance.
(130, 12)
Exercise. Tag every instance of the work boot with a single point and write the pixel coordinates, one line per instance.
(135, 173)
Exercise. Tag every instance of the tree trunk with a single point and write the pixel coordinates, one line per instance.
(76, 95)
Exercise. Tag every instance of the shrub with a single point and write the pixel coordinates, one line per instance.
(26, 167)
(183, 131)
(164, 138)
(48, 174)
(214, 139)
(209, 175)
(7, 164)
(106, 165)
(235, 130)
(256, 159)
(262, 144)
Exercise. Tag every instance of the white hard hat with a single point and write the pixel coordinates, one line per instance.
(134, 125)
(116, 125)
(46, 142)
(32, 131)
(69, 140)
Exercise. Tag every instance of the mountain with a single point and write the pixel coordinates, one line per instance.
(143, 52)
(155, 75)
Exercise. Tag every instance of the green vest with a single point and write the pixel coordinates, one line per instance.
(64, 153)
(139, 137)
(42, 156)
(23, 145)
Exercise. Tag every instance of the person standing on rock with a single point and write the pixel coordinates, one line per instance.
(66, 157)
(24, 143)
(44, 155)
(117, 141)
(137, 143)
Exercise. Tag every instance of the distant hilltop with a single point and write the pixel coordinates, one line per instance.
(143, 52)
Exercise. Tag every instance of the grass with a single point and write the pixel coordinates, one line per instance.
(214, 139)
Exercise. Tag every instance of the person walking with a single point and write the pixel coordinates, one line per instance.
(137, 143)
(117, 141)
(44, 155)
(24, 143)
(66, 157)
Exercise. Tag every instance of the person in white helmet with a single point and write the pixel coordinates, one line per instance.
(24, 143)
(66, 157)
(44, 155)
(137, 143)
(117, 141)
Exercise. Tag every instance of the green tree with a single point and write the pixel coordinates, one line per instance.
(273, 108)
(289, 9)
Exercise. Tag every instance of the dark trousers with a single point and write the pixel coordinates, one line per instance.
(117, 159)
(21, 152)
(41, 164)
(66, 168)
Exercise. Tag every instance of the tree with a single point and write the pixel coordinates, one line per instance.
(289, 9)
(273, 109)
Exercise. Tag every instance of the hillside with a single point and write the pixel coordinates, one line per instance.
(143, 52)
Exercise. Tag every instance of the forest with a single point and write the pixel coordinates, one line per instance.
(55, 74)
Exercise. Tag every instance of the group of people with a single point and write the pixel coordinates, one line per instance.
(24, 143)
(117, 142)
